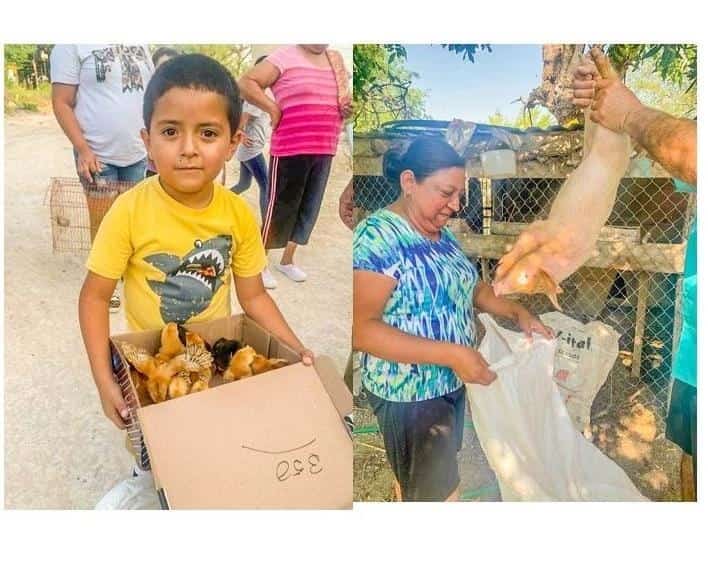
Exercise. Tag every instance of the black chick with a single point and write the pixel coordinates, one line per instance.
(222, 350)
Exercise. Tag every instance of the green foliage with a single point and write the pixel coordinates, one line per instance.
(675, 63)
(19, 54)
(18, 97)
(236, 57)
(536, 117)
(383, 87)
(675, 98)
(467, 51)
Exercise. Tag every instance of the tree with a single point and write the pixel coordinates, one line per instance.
(234, 57)
(19, 54)
(467, 50)
(675, 64)
(677, 99)
(383, 87)
(536, 117)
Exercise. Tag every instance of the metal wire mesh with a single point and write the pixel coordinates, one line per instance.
(633, 284)
(135, 442)
(76, 210)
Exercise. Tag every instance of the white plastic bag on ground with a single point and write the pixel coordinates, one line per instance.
(584, 357)
(526, 433)
(134, 493)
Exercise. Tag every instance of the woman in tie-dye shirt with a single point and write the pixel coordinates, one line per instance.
(414, 298)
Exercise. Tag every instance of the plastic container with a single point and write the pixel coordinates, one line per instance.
(499, 163)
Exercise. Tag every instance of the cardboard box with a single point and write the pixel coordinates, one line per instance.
(272, 441)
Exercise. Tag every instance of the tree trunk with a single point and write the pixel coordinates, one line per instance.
(559, 63)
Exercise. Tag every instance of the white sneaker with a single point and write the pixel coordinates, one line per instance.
(269, 281)
(292, 271)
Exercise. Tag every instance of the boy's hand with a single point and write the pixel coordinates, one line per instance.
(307, 357)
(113, 403)
(529, 324)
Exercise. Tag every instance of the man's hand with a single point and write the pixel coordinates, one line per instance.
(597, 86)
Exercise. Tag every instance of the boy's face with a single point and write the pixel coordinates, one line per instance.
(189, 139)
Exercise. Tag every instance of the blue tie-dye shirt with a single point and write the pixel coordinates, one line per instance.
(432, 299)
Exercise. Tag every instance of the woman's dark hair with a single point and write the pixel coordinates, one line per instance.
(197, 72)
(164, 52)
(424, 156)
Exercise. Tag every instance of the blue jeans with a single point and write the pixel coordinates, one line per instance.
(132, 174)
(129, 174)
(254, 167)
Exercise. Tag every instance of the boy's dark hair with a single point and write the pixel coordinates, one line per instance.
(425, 156)
(197, 72)
(164, 52)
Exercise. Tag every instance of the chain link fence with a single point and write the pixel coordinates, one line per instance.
(632, 285)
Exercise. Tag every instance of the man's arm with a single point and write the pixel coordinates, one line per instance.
(668, 140)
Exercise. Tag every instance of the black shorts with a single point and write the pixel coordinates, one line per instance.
(422, 439)
(296, 186)
(681, 419)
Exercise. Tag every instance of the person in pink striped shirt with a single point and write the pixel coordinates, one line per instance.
(306, 117)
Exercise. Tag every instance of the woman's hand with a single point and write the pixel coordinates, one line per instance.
(275, 115)
(87, 164)
(529, 324)
(470, 366)
(346, 107)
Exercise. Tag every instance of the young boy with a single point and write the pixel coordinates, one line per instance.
(178, 238)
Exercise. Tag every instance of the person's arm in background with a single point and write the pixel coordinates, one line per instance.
(346, 205)
(253, 85)
(668, 140)
(372, 335)
(63, 103)
(65, 65)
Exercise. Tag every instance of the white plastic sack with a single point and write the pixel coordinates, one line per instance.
(134, 493)
(584, 357)
(526, 433)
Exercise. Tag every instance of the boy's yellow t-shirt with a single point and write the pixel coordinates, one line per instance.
(176, 261)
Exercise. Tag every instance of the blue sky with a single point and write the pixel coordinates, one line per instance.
(473, 91)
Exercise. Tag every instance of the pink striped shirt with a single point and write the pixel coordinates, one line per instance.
(307, 96)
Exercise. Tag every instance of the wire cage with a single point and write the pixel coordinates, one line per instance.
(76, 210)
(121, 375)
(633, 284)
